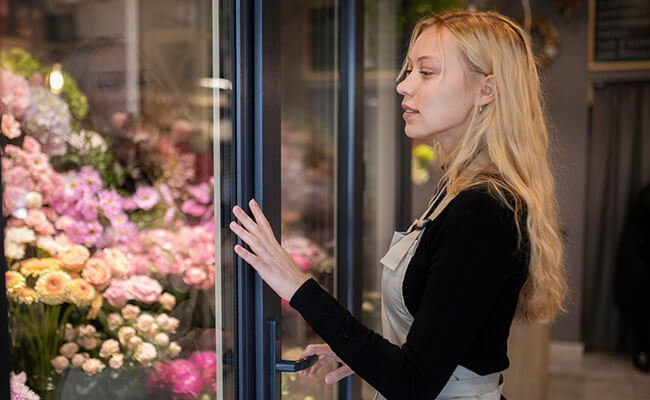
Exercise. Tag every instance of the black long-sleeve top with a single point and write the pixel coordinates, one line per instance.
(462, 287)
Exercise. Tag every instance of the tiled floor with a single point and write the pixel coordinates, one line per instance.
(599, 377)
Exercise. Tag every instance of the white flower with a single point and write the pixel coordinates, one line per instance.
(86, 330)
(125, 333)
(14, 250)
(130, 311)
(134, 342)
(70, 333)
(69, 349)
(33, 200)
(114, 320)
(78, 359)
(48, 244)
(92, 366)
(144, 323)
(162, 339)
(116, 361)
(60, 363)
(109, 347)
(174, 349)
(145, 353)
(167, 300)
(19, 234)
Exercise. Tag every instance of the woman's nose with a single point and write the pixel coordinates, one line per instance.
(405, 88)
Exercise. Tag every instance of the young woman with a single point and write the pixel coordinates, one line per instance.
(486, 250)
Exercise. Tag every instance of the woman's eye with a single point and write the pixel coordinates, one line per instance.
(427, 73)
(408, 72)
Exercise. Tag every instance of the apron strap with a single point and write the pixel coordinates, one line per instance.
(423, 220)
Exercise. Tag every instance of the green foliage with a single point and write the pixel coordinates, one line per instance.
(23, 64)
(420, 9)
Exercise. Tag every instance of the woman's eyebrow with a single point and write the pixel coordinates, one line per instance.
(421, 58)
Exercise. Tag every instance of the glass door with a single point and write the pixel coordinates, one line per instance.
(117, 185)
(309, 129)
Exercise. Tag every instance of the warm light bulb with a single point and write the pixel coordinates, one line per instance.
(55, 79)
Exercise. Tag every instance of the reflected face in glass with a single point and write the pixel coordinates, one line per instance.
(438, 96)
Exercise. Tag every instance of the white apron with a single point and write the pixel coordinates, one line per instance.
(396, 320)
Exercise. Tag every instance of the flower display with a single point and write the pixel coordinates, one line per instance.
(187, 379)
(18, 388)
(101, 250)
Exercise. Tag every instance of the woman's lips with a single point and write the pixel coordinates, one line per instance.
(408, 112)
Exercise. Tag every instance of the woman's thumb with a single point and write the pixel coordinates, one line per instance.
(338, 374)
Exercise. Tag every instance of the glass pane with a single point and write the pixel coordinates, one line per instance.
(116, 169)
(309, 128)
(383, 127)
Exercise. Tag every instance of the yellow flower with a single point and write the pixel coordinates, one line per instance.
(15, 282)
(39, 266)
(95, 306)
(53, 287)
(81, 292)
(27, 296)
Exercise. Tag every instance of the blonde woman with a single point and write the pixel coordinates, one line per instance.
(487, 249)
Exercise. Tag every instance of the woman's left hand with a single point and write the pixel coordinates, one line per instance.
(274, 264)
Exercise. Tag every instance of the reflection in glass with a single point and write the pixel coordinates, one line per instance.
(116, 174)
(309, 129)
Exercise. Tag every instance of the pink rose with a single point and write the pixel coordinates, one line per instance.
(46, 229)
(18, 177)
(117, 262)
(96, 272)
(36, 218)
(117, 293)
(193, 208)
(145, 289)
(92, 366)
(31, 145)
(194, 276)
(60, 363)
(10, 127)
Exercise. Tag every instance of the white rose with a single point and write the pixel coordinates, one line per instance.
(174, 349)
(109, 347)
(69, 349)
(134, 342)
(70, 333)
(125, 333)
(92, 366)
(167, 300)
(33, 200)
(19, 235)
(117, 262)
(116, 361)
(14, 250)
(145, 353)
(60, 363)
(48, 244)
(144, 323)
(130, 311)
(114, 320)
(86, 330)
(78, 359)
(162, 339)
(88, 342)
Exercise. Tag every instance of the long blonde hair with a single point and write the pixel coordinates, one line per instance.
(506, 147)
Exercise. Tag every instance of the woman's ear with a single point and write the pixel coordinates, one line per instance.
(487, 91)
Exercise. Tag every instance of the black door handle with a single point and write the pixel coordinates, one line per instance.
(295, 366)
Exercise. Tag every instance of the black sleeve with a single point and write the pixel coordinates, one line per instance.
(472, 261)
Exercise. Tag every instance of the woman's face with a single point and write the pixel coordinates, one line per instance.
(438, 96)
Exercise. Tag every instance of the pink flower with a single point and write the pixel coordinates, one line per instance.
(15, 152)
(202, 253)
(62, 222)
(118, 293)
(193, 208)
(86, 207)
(201, 192)
(18, 177)
(14, 93)
(110, 202)
(126, 232)
(89, 180)
(37, 163)
(36, 79)
(96, 272)
(186, 380)
(166, 194)
(181, 130)
(119, 120)
(77, 231)
(169, 215)
(301, 261)
(46, 229)
(49, 186)
(35, 218)
(95, 231)
(194, 276)
(31, 145)
(146, 197)
(10, 127)
(13, 198)
(145, 289)
(204, 359)
(129, 204)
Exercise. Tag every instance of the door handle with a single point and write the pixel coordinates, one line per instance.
(274, 365)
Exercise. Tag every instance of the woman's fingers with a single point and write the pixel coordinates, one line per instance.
(247, 256)
(338, 374)
(261, 218)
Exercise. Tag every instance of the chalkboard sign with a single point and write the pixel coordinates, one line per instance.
(619, 35)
